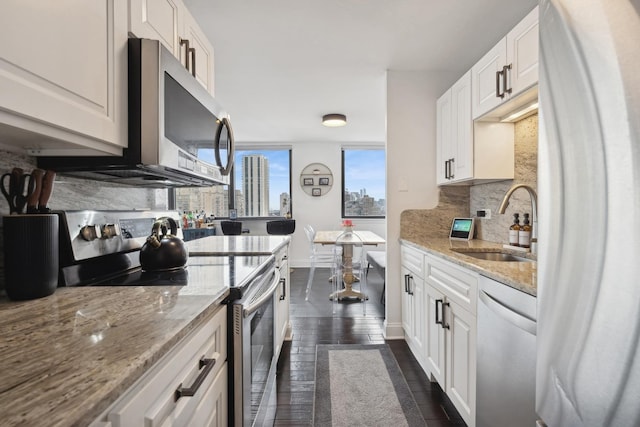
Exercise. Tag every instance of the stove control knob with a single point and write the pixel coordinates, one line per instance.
(110, 230)
(90, 232)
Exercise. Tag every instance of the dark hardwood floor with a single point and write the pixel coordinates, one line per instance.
(314, 323)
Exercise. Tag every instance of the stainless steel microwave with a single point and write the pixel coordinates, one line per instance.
(178, 134)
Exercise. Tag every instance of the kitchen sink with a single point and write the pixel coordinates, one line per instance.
(495, 256)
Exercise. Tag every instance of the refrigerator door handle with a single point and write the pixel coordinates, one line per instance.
(507, 314)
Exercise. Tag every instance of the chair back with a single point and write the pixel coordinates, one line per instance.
(310, 233)
(231, 228)
(281, 227)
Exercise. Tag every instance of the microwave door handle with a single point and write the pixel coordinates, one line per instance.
(225, 169)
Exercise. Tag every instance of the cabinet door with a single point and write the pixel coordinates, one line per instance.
(407, 304)
(435, 335)
(461, 361)
(63, 72)
(461, 129)
(282, 307)
(156, 19)
(203, 57)
(212, 409)
(418, 330)
(483, 79)
(522, 53)
(443, 137)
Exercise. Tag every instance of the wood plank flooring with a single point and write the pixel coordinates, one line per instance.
(314, 323)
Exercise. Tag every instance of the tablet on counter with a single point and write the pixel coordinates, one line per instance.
(462, 229)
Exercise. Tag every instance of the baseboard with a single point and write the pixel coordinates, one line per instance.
(393, 330)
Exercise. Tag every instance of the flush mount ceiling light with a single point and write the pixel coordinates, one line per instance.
(334, 120)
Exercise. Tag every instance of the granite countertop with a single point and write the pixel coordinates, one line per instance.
(236, 245)
(518, 275)
(66, 357)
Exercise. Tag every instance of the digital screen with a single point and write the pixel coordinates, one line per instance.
(462, 225)
(462, 228)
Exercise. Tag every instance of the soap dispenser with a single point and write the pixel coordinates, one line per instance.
(514, 230)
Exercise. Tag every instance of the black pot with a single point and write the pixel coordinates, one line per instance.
(163, 251)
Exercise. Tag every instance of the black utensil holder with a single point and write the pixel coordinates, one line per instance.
(31, 255)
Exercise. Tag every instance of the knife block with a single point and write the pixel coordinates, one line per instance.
(31, 255)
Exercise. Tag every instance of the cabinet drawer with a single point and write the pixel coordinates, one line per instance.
(152, 400)
(457, 283)
(413, 260)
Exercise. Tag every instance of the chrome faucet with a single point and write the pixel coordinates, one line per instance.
(534, 211)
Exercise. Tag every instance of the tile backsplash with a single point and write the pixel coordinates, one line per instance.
(73, 194)
(489, 196)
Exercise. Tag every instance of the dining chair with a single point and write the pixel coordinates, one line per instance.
(231, 228)
(315, 257)
(350, 269)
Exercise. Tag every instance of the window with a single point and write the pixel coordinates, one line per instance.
(261, 187)
(363, 183)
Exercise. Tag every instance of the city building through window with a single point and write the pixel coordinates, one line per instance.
(261, 187)
(363, 183)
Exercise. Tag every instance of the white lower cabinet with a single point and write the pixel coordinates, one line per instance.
(435, 343)
(460, 339)
(413, 299)
(439, 319)
(283, 326)
(159, 397)
(451, 332)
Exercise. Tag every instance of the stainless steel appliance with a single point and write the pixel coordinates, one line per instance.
(102, 248)
(589, 186)
(178, 134)
(254, 361)
(506, 359)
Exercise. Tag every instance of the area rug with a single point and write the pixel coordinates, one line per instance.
(361, 385)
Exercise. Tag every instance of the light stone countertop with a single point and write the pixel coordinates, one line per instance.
(246, 245)
(66, 357)
(518, 275)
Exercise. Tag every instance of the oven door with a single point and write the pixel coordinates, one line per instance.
(254, 354)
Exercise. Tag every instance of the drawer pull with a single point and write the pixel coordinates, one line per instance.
(438, 303)
(208, 365)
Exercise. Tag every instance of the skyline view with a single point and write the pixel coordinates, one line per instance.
(267, 175)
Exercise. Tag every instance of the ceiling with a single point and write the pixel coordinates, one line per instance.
(280, 65)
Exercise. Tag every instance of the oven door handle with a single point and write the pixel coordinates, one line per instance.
(265, 296)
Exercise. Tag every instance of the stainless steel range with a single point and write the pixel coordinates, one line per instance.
(102, 248)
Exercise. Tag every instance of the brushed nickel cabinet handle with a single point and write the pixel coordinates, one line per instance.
(506, 70)
(444, 325)
(185, 43)
(498, 94)
(192, 51)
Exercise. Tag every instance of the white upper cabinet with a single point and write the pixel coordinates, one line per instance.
(201, 57)
(508, 69)
(158, 20)
(170, 22)
(467, 152)
(454, 149)
(63, 76)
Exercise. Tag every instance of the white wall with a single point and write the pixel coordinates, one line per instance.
(411, 175)
(324, 212)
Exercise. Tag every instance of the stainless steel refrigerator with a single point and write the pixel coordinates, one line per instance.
(588, 355)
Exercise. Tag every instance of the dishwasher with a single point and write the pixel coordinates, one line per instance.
(506, 358)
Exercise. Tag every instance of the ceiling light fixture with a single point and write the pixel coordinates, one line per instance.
(334, 120)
